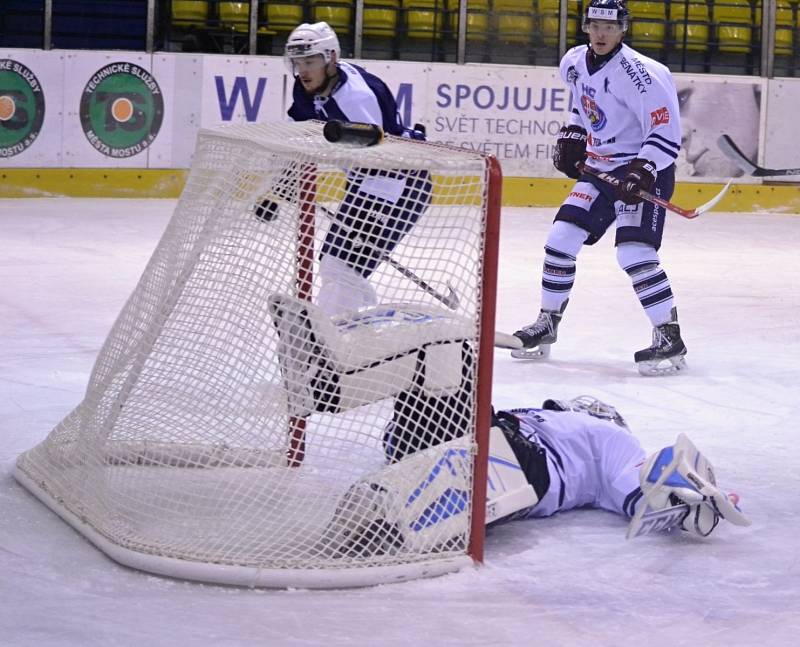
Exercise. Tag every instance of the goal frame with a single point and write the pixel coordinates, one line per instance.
(344, 576)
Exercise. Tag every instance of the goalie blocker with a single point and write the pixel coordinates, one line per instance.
(540, 460)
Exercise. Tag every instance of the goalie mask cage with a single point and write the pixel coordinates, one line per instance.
(205, 448)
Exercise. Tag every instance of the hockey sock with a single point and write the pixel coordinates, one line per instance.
(558, 273)
(650, 281)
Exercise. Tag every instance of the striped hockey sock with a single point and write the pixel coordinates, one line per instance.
(651, 284)
(558, 277)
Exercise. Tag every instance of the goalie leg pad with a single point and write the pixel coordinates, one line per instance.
(419, 504)
(422, 502)
(336, 365)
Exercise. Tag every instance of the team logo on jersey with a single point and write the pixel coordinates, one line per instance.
(121, 110)
(658, 117)
(597, 118)
(21, 107)
(572, 74)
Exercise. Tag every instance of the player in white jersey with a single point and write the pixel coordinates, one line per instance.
(624, 115)
(379, 206)
(563, 455)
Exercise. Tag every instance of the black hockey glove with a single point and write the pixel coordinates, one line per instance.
(640, 175)
(570, 150)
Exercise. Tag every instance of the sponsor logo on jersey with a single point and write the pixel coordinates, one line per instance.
(121, 110)
(637, 73)
(596, 141)
(580, 196)
(21, 107)
(660, 116)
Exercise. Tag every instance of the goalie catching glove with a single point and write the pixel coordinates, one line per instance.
(570, 150)
(679, 488)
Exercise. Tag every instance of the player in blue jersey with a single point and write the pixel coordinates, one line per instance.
(624, 114)
(379, 206)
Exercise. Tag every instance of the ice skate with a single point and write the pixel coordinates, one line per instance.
(667, 352)
(540, 335)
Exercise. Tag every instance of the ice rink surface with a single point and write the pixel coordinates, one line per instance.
(67, 266)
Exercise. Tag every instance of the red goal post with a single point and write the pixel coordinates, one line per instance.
(208, 445)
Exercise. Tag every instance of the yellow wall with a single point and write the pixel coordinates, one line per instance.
(517, 192)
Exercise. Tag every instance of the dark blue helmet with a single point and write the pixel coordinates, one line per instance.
(616, 10)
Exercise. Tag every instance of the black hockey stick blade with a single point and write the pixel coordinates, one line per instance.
(735, 155)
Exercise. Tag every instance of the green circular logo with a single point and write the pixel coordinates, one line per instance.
(121, 110)
(21, 107)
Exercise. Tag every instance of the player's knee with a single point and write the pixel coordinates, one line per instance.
(566, 238)
(636, 257)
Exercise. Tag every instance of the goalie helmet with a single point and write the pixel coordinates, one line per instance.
(611, 10)
(310, 39)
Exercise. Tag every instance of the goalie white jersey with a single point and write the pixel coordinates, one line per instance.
(591, 461)
(629, 107)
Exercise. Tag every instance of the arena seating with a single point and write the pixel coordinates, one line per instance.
(338, 14)
(186, 13)
(424, 18)
(478, 20)
(648, 30)
(515, 20)
(733, 20)
(282, 15)
(381, 18)
(690, 25)
(549, 21)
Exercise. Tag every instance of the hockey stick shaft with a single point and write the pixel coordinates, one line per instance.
(450, 299)
(654, 199)
(734, 153)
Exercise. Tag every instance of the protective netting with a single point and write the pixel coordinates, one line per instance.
(256, 418)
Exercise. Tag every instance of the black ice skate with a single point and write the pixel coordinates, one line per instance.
(666, 354)
(540, 335)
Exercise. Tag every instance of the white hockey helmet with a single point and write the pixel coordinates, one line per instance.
(310, 39)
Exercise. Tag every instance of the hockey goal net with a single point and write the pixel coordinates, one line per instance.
(233, 432)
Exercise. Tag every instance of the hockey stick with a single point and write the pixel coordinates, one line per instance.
(450, 299)
(735, 155)
(666, 204)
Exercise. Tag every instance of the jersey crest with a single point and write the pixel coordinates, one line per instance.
(597, 118)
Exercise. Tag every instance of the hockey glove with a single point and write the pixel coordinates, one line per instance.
(640, 175)
(570, 150)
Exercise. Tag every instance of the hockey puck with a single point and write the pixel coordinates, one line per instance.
(266, 211)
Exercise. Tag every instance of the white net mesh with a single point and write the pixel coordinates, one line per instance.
(258, 415)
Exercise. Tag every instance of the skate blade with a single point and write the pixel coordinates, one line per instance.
(658, 367)
(542, 351)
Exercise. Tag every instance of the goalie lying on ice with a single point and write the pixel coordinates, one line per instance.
(542, 460)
